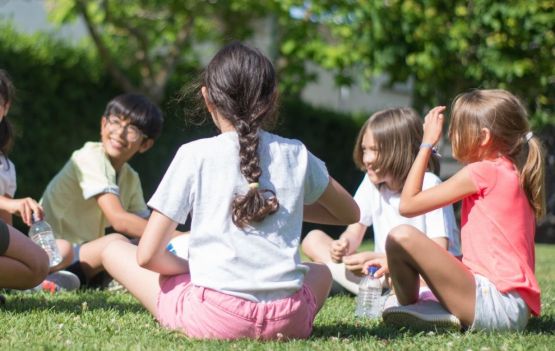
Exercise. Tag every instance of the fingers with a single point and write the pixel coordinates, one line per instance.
(433, 124)
(28, 207)
(377, 262)
(339, 249)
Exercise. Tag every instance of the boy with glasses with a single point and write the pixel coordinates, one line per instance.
(98, 190)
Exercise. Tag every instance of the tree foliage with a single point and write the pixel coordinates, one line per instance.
(142, 43)
(445, 47)
(442, 47)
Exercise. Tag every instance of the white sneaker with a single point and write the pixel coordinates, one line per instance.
(423, 315)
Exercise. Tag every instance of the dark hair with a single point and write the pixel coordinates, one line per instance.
(7, 94)
(241, 85)
(397, 134)
(140, 111)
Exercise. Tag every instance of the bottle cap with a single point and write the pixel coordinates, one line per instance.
(372, 270)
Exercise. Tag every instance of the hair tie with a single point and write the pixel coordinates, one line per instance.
(254, 185)
(528, 136)
(431, 146)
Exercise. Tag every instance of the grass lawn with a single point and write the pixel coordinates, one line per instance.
(93, 320)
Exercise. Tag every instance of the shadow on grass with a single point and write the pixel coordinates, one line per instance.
(70, 302)
(363, 331)
(543, 325)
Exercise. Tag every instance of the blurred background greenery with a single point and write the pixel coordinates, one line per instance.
(435, 49)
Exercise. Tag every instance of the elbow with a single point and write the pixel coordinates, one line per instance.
(351, 216)
(406, 211)
(143, 259)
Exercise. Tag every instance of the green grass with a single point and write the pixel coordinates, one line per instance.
(93, 320)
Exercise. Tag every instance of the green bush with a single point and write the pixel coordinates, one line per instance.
(62, 93)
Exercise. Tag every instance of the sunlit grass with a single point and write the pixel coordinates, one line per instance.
(93, 320)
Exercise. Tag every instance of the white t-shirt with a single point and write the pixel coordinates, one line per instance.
(8, 183)
(379, 206)
(258, 263)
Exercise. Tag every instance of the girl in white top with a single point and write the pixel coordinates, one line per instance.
(248, 192)
(385, 148)
(23, 264)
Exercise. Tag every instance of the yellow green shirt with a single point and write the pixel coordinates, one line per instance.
(69, 199)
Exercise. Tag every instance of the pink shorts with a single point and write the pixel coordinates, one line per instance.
(204, 313)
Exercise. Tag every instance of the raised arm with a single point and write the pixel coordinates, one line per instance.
(414, 201)
(335, 206)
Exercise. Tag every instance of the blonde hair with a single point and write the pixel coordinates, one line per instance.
(504, 115)
(397, 134)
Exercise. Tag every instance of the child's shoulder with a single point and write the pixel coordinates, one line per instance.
(89, 149)
(204, 145)
(281, 142)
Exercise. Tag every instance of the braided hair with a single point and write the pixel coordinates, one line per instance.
(241, 84)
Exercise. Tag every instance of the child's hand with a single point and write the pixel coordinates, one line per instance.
(355, 262)
(25, 208)
(380, 262)
(338, 249)
(433, 124)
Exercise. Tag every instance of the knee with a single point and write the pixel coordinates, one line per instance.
(112, 246)
(312, 236)
(116, 238)
(398, 238)
(39, 266)
(312, 241)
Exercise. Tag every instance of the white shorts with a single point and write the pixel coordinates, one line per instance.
(497, 311)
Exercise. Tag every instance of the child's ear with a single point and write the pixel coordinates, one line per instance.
(146, 144)
(485, 136)
(209, 105)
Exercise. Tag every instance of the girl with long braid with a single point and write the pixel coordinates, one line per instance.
(247, 191)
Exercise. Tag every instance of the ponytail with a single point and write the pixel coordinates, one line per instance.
(532, 174)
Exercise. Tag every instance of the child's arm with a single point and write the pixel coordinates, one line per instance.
(23, 207)
(348, 241)
(122, 221)
(335, 206)
(152, 253)
(414, 201)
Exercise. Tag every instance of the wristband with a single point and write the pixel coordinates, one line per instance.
(431, 146)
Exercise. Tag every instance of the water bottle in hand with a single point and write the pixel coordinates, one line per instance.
(369, 299)
(41, 234)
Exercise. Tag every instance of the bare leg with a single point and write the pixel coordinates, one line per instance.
(120, 261)
(24, 264)
(410, 252)
(316, 245)
(319, 281)
(66, 251)
(90, 254)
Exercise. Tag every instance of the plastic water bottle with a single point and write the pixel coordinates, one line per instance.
(369, 298)
(41, 234)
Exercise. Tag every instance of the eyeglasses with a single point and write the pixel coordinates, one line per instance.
(115, 124)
